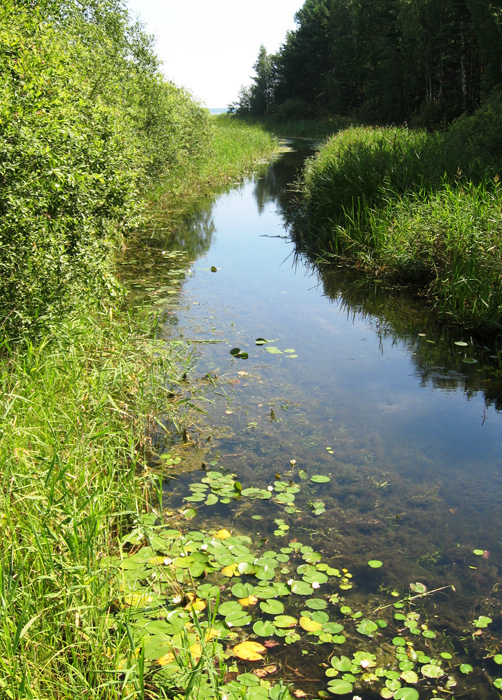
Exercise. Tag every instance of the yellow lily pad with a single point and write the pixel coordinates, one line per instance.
(229, 571)
(310, 625)
(222, 534)
(249, 651)
(247, 602)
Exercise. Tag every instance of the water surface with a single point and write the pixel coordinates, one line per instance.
(367, 389)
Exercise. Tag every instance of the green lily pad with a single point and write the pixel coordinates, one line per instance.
(264, 628)
(285, 621)
(375, 563)
(272, 606)
(340, 687)
(301, 588)
(320, 479)
(317, 604)
(432, 671)
(242, 590)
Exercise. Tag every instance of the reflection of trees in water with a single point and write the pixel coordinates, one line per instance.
(275, 185)
(406, 319)
(192, 231)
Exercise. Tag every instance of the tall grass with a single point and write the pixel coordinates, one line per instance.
(237, 146)
(75, 412)
(424, 207)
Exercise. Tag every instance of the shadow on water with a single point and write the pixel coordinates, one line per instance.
(359, 385)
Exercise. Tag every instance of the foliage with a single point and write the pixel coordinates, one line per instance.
(386, 61)
(74, 410)
(424, 207)
(86, 122)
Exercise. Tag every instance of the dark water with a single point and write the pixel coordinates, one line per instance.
(372, 392)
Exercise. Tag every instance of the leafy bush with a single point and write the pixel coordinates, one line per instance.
(86, 123)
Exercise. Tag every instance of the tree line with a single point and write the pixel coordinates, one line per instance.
(382, 61)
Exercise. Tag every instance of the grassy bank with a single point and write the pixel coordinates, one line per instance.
(421, 208)
(235, 149)
(77, 405)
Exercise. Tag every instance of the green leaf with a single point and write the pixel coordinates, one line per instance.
(406, 694)
(272, 607)
(340, 687)
(320, 479)
(375, 563)
(264, 628)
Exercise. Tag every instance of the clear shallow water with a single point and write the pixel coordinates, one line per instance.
(406, 423)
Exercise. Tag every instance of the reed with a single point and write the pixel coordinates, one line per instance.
(420, 207)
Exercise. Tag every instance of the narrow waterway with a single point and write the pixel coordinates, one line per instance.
(357, 384)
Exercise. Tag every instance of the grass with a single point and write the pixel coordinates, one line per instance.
(75, 414)
(237, 147)
(78, 408)
(423, 208)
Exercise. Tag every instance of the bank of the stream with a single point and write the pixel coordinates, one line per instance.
(416, 207)
(78, 404)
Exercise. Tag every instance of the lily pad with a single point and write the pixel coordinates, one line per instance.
(375, 563)
(264, 628)
(340, 687)
(285, 621)
(272, 607)
(320, 479)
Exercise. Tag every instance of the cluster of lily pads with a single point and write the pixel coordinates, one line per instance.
(271, 349)
(199, 604)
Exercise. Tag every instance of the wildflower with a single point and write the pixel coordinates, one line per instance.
(315, 584)
(270, 488)
(292, 462)
(168, 561)
(290, 582)
(203, 546)
(177, 599)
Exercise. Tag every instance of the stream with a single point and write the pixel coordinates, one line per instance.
(375, 430)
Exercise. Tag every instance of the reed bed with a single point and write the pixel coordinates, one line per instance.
(424, 208)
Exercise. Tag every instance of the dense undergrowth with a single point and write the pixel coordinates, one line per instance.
(423, 208)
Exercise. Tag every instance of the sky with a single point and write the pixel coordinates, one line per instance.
(210, 46)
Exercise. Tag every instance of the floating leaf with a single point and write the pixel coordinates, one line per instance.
(375, 563)
(262, 341)
(317, 604)
(222, 534)
(272, 607)
(310, 625)
(478, 552)
(301, 588)
(273, 350)
(409, 676)
(340, 687)
(498, 659)
(432, 671)
(482, 621)
(285, 621)
(214, 269)
(320, 479)
(466, 668)
(264, 628)
(406, 694)
(460, 343)
(249, 651)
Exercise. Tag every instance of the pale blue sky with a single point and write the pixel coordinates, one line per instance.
(210, 46)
